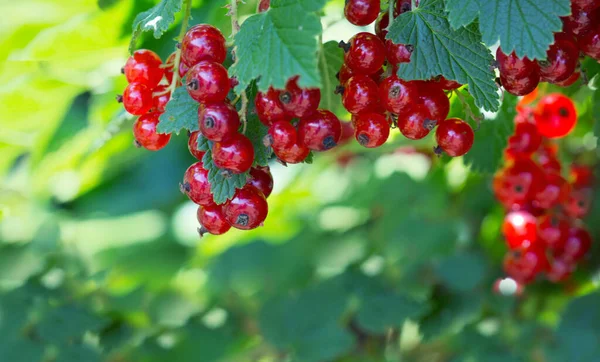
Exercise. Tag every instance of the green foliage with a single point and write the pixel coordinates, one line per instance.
(158, 20)
(331, 58)
(438, 49)
(579, 329)
(525, 26)
(181, 113)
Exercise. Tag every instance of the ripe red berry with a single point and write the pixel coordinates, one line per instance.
(519, 229)
(193, 146)
(218, 121)
(432, 96)
(263, 5)
(137, 99)
(269, 108)
(516, 185)
(196, 186)
(569, 81)
(293, 154)
(513, 66)
(581, 176)
(160, 98)
(555, 115)
(347, 132)
(365, 53)
(454, 136)
(360, 95)
(247, 209)
(144, 131)
(261, 178)
(372, 129)
(520, 86)
(525, 265)
(446, 84)
(579, 202)
(397, 95)
(415, 123)
(589, 43)
(144, 67)
(344, 74)
(299, 102)
(560, 270)
(208, 82)
(169, 67)
(235, 153)
(381, 24)
(320, 131)
(212, 219)
(397, 53)
(183, 69)
(203, 42)
(578, 243)
(361, 12)
(561, 61)
(587, 5)
(281, 135)
(554, 191)
(403, 6)
(580, 21)
(547, 158)
(525, 141)
(553, 230)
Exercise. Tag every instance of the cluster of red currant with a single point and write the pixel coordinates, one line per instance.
(542, 227)
(378, 99)
(581, 33)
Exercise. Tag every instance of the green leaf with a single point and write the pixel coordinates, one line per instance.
(439, 50)
(331, 58)
(492, 137)
(579, 329)
(75, 120)
(278, 44)
(256, 130)
(181, 113)
(78, 353)
(451, 313)
(386, 309)
(525, 26)
(596, 113)
(158, 19)
(222, 186)
(462, 272)
(68, 322)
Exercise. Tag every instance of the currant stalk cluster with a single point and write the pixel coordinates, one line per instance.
(542, 227)
(580, 35)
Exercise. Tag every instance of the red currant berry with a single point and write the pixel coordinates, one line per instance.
(218, 121)
(294, 154)
(372, 129)
(589, 43)
(525, 141)
(519, 229)
(347, 132)
(514, 67)
(434, 99)
(360, 95)
(281, 135)
(446, 84)
(320, 131)
(144, 131)
(344, 74)
(261, 178)
(361, 12)
(454, 136)
(554, 191)
(269, 108)
(547, 159)
(580, 21)
(235, 153)
(137, 99)
(403, 6)
(203, 42)
(193, 145)
(397, 95)
(560, 270)
(365, 53)
(518, 183)
(415, 123)
(578, 243)
(160, 98)
(169, 67)
(208, 82)
(581, 176)
(183, 69)
(552, 230)
(520, 86)
(299, 102)
(212, 219)
(196, 186)
(525, 265)
(569, 81)
(381, 24)
(397, 53)
(579, 202)
(247, 209)
(586, 5)
(144, 67)
(555, 115)
(561, 61)
(263, 5)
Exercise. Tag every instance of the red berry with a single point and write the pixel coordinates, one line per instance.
(347, 132)
(281, 135)
(144, 131)
(293, 154)
(218, 121)
(361, 12)
(434, 99)
(580, 21)
(183, 69)
(552, 231)
(520, 86)
(513, 66)
(344, 74)
(555, 115)
(516, 185)
(247, 209)
(144, 67)
(525, 265)
(397, 53)
(578, 243)
(381, 24)
(589, 43)
(397, 95)
(519, 229)
(320, 131)
(360, 95)
(561, 61)
(299, 102)
(269, 108)
(137, 99)
(160, 100)
(203, 42)
(372, 129)
(208, 82)
(585, 4)
(554, 191)
(235, 153)
(525, 141)
(579, 202)
(446, 84)
(212, 219)
(415, 123)
(403, 6)
(365, 53)
(547, 159)
(169, 67)
(193, 146)
(196, 186)
(263, 5)
(560, 270)
(569, 81)
(454, 136)
(581, 176)
(261, 178)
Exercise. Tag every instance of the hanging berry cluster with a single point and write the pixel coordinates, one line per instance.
(542, 226)
(378, 99)
(581, 33)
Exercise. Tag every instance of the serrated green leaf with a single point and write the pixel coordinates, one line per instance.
(331, 58)
(492, 137)
(525, 26)
(181, 113)
(256, 130)
(222, 187)
(439, 50)
(462, 272)
(278, 44)
(157, 19)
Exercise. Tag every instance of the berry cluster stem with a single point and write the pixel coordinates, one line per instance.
(235, 27)
(184, 25)
(390, 14)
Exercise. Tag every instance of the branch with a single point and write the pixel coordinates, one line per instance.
(184, 26)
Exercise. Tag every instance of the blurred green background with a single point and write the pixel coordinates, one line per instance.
(379, 255)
